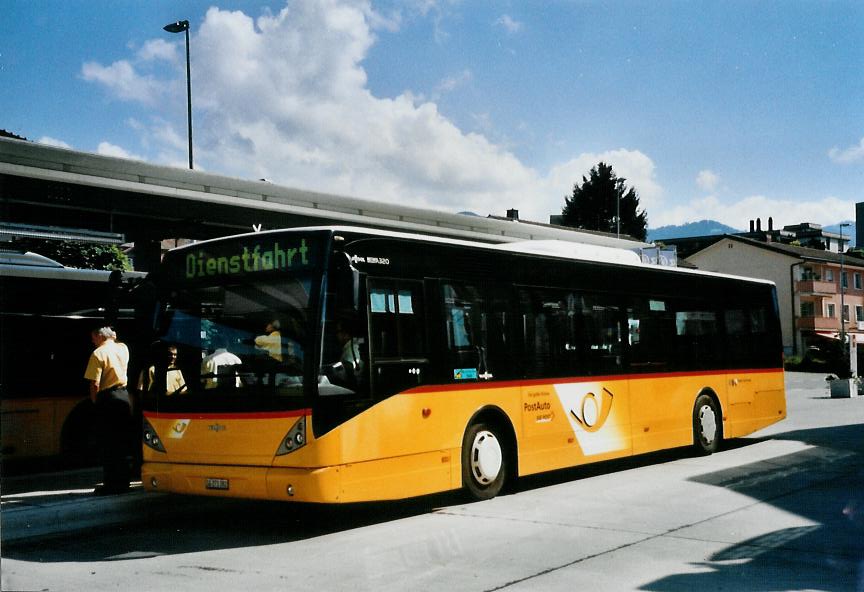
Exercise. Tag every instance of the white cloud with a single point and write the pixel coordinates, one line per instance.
(49, 141)
(508, 23)
(451, 83)
(287, 100)
(159, 49)
(849, 155)
(707, 180)
(109, 149)
(123, 80)
(285, 97)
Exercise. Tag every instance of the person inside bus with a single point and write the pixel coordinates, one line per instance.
(174, 381)
(107, 376)
(349, 369)
(219, 365)
(271, 341)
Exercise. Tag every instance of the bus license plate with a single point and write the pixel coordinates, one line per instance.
(216, 483)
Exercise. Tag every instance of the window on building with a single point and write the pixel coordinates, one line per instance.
(846, 312)
(844, 279)
(808, 274)
(859, 313)
(830, 310)
(857, 279)
(829, 274)
(808, 309)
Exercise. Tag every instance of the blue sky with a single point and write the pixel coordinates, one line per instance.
(725, 110)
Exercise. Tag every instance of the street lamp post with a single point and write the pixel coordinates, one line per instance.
(843, 345)
(183, 27)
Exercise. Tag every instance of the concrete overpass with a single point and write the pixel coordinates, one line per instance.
(48, 186)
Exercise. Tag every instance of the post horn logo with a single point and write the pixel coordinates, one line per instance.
(594, 412)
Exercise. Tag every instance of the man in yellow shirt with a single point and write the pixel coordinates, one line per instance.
(106, 374)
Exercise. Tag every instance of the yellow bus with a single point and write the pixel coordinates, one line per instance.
(47, 312)
(346, 364)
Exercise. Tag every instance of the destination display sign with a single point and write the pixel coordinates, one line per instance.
(244, 256)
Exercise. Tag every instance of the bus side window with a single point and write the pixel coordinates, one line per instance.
(697, 337)
(603, 334)
(651, 331)
(567, 333)
(748, 340)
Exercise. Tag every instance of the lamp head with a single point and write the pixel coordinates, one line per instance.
(177, 27)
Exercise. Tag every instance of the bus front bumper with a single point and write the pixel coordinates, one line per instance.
(322, 485)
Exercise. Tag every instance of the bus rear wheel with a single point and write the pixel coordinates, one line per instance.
(707, 425)
(484, 461)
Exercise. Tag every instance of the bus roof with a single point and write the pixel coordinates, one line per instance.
(27, 258)
(544, 248)
(33, 265)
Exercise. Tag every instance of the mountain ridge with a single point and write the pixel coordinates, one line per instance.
(713, 227)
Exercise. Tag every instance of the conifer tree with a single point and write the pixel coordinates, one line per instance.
(594, 205)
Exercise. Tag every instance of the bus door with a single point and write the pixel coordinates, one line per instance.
(397, 336)
(478, 339)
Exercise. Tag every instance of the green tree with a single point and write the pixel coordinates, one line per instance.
(81, 255)
(592, 205)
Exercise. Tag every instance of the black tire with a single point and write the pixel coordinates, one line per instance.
(485, 463)
(707, 425)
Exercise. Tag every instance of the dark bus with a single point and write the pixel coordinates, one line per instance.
(46, 314)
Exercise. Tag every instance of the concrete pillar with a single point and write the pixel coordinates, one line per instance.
(147, 254)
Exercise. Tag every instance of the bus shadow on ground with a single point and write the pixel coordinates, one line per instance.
(208, 524)
(824, 485)
(560, 476)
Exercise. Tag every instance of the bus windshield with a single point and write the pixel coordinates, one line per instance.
(238, 346)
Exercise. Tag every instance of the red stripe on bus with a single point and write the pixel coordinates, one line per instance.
(564, 380)
(235, 415)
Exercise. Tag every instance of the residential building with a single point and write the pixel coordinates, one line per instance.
(808, 284)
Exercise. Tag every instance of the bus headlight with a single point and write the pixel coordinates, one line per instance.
(294, 439)
(151, 438)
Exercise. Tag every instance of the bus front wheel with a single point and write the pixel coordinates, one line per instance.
(484, 461)
(707, 425)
